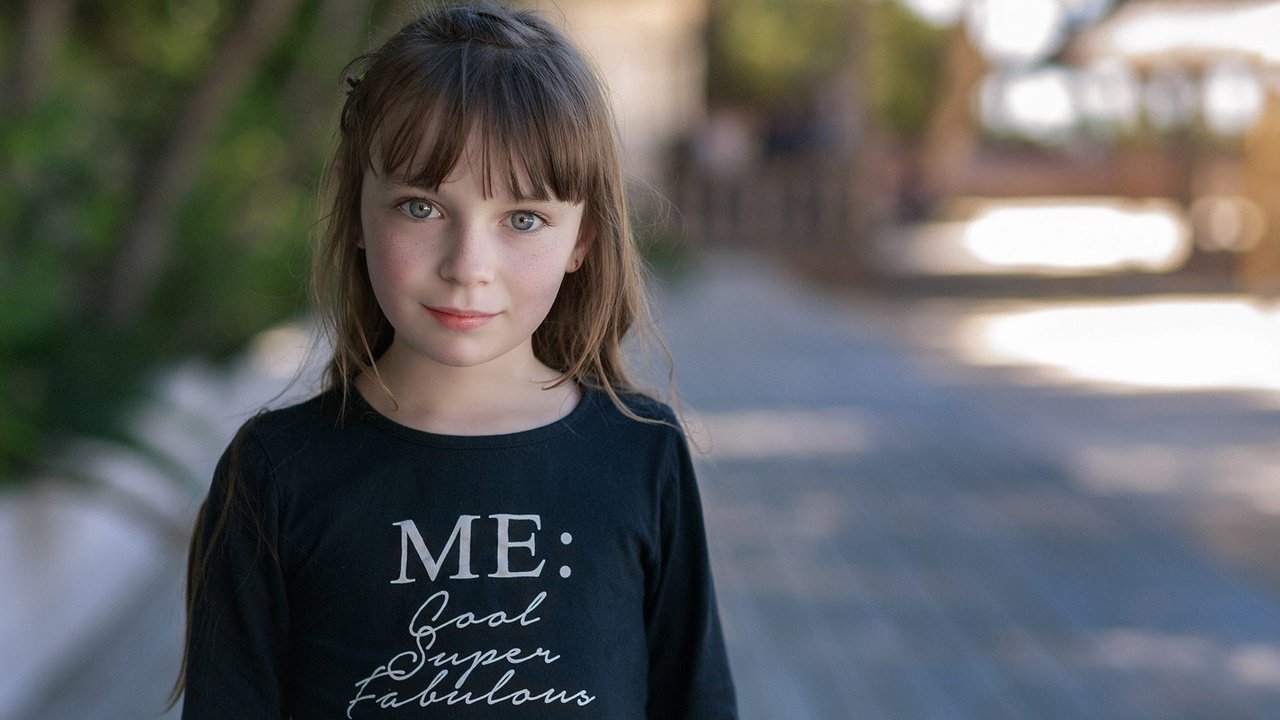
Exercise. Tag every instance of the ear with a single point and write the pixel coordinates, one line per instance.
(586, 236)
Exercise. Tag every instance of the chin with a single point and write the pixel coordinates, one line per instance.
(463, 357)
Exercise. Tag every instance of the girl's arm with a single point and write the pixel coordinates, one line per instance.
(688, 669)
(238, 624)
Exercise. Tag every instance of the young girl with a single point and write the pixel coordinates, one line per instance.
(480, 517)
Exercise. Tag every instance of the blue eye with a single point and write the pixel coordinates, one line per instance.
(526, 221)
(417, 208)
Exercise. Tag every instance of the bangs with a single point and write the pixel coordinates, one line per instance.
(530, 132)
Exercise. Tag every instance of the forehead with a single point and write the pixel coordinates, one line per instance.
(495, 175)
(428, 149)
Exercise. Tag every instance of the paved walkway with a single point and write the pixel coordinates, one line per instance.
(900, 537)
(897, 536)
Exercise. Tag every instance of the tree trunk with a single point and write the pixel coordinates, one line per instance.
(314, 92)
(44, 32)
(952, 134)
(146, 244)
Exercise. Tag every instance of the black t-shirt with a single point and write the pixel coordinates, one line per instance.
(369, 570)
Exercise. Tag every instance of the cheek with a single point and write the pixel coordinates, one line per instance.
(539, 275)
(392, 262)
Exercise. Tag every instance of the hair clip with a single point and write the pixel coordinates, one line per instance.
(353, 81)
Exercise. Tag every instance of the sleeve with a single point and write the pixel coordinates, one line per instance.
(688, 669)
(238, 624)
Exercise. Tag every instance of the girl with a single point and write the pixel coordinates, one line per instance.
(480, 517)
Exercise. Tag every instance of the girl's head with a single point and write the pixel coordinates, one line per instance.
(477, 80)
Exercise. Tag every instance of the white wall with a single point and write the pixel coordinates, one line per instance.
(652, 55)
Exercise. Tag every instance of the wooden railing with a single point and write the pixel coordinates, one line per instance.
(808, 212)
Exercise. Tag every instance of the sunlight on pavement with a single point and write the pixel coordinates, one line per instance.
(1170, 343)
(1077, 236)
(1245, 665)
(1141, 346)
(1043, 236)
(1246, 474)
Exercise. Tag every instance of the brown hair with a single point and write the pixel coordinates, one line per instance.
(540, 111)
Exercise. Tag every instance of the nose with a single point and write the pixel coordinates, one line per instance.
(469, 257)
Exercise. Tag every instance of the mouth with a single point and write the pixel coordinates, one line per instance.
(460, 319)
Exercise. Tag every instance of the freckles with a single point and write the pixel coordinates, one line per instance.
(545, 266)
(401, 249)
(535, 263)
(408, 248)
(537, 276)
(394, 260)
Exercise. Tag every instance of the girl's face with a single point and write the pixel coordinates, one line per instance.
(464, 279)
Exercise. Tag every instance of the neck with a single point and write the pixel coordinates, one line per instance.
(508, 394)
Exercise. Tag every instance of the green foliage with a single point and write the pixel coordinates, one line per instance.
(904, 66)
(763, 51)
(768, 52)
(73, 165)
(63, 170)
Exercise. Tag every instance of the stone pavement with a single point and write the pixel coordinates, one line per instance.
(898, 536)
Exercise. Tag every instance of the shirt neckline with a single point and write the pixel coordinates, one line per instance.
(363, 410)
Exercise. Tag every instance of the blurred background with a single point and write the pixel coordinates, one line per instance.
(974, 304)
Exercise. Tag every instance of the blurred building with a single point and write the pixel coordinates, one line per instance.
(652, 53)
(1123, 103)
(1215, 66)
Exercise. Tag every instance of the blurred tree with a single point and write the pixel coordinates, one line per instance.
(904, 64)
(767, 52)
(770, 51)
(159, 162)
(836, 87)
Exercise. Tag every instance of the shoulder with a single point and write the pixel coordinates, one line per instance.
(317, 414)
(272, 436)
(635, 412)
(641, 432)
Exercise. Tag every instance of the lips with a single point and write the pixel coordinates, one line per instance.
(460, 319)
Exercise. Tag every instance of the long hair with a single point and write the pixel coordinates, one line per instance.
(545, 127)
